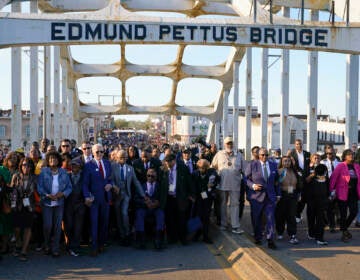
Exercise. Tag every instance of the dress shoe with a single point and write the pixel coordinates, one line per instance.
(258, 242)
(101, 249)
(207, 240)
(271, 245)
(93, 253)
(184, 242)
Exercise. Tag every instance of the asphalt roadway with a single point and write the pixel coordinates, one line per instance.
(306, 260)
(195, 261)
(231, 257)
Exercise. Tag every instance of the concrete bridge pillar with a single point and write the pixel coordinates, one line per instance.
(34, 86)
(284, 115)
(16, 115)
(352, 100)
(248, 103)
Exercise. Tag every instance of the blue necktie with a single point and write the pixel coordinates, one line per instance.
(122, 176)
(171, 177)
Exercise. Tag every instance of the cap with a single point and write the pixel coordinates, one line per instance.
(20, 150)
(228, 140)
(76, 161)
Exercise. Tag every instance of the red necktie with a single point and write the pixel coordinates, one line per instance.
(101, 169)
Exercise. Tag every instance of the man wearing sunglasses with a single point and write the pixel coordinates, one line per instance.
(229, 164)
(153, 205)
(86, 149)
(263, 194)
(97, 184)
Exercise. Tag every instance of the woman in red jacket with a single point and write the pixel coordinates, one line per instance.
(345, 186)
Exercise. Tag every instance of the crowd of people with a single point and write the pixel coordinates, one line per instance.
(73, 196)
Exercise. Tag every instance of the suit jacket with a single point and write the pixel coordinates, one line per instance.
(130, 178)
(254, 175)
(140, 170)
(194, 167)
(306, 161)
(94, 183)
(159, 194)
(184, 187)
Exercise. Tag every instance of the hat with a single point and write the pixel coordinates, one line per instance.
(170, 157)
(228, 140)
(20, 150)
(76, 161)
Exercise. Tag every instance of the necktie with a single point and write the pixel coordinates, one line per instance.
(151, 191)
(266, 175)
(332, 166)
(188, 164)
(101, 170)
(171, 177)
(122, 176)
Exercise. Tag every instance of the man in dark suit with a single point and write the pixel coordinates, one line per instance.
(261, 176)
(188, 160)
(302, 166)
(180, 192)
(124, 177)
(153, 205)
(86, 155)
(142, 164)
(97, 184)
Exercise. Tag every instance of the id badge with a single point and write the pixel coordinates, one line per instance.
(13, 204)
(204, 195)
(290, 189)
(171, 188)
(26, 202)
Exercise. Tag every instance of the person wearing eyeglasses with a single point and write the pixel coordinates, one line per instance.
(23, 184)
(331, 161)
(53, 186)
(97, 183)
(229, 164)
(205, 181)
(86, 149)
(263, 194)
(177, 180)
(123, 176)
(152, 205)
(345, 186)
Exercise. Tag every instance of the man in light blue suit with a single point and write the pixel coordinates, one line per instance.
(96, 188)
(263, 193)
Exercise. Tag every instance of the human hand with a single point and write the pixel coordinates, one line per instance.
(108, 187)
(257, 187)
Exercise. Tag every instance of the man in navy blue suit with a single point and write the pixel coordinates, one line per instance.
(96, 187)
(153, 205)
(263, 193)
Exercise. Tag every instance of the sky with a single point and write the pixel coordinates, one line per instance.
(155, 91)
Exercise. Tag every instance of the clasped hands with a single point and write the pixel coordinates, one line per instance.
(56, 196)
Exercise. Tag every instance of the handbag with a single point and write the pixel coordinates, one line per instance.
(194, 223)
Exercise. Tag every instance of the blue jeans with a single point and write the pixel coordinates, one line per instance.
(52, 218)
